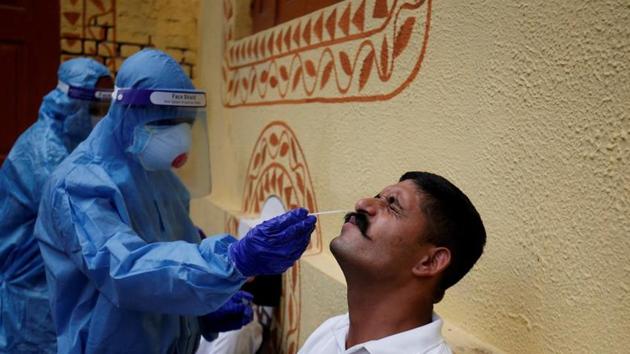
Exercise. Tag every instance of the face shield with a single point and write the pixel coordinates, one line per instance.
(175, 135)
(96, 99)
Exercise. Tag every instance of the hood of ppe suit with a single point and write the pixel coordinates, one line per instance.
(147, 69)
(74, 113)
(26, 325)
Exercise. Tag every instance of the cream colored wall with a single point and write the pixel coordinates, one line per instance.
(525, 106)
(171, 25)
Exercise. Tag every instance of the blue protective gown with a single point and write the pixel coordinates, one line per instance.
(25, 323)
(126, 269)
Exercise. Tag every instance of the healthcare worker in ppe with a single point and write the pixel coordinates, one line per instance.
(65, 119)
(126, 269)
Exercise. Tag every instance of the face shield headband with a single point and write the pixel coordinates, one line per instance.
(84, 93)
(172, 98)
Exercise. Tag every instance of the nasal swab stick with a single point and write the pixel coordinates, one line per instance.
(329, 212)
(251, 223)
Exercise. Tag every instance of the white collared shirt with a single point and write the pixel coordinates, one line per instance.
(330, 338)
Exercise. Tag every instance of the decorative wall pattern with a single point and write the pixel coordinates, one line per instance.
(277, 167)
(357, 50)
(88, 28)
(110, 34)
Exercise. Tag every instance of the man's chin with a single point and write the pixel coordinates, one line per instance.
(337, 247)
(345, 244)
(348, 256)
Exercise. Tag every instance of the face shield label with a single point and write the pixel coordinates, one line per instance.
(180, 99)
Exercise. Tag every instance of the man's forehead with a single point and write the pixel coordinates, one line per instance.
(407, 190)
(406, 186)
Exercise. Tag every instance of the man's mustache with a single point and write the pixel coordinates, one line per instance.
(361, 220)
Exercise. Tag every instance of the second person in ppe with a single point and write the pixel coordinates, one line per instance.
(66, 117)
(126, 268)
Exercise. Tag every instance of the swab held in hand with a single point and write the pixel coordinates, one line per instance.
(253, 222)
(330, 212)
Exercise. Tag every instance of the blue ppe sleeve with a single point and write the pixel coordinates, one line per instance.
(273, 246)
(19, 210)
(22, 176)
(176, 277)
(234, 314)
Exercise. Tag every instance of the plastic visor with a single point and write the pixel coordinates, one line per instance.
(195, 173)
(171, 107)
(98, 99)
(84, 93)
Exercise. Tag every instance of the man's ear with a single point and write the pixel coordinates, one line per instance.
(433, 262)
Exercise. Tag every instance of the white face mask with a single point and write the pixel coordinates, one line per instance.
(161, 147)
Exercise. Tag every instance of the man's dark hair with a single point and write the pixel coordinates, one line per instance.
(452, 222)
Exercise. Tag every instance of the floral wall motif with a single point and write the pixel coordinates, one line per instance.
(277, 167)
(357, 50)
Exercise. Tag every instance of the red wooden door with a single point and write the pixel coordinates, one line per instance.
(29, 57)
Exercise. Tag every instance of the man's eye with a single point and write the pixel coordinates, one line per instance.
(394, 210)
(392, 203)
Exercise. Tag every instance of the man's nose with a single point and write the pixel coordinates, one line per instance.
(369, 206)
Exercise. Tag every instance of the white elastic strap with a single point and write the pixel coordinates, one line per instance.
(115, 94)
(63, 87)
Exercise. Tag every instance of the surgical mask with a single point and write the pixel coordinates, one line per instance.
(161, 147)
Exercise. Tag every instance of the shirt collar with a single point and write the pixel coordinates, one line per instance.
(423, 337)
(341, 332)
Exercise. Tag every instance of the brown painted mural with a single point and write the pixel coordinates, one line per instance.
(277, 167)
(357, 50)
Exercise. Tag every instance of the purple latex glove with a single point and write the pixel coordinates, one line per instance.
(273, 246)
(234, 314)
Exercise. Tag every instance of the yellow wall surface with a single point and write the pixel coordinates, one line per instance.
(524, 105)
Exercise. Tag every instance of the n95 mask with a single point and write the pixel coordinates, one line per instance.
(162, 147)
